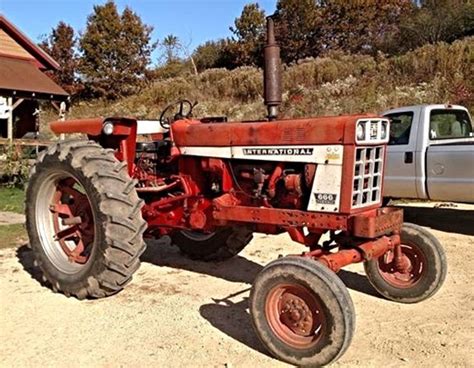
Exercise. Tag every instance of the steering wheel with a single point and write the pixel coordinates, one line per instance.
(165, 123)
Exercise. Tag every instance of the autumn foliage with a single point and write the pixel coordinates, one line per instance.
(61, 45)
(115, 50)
(112, 56)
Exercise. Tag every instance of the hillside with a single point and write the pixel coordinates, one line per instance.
(335, 84)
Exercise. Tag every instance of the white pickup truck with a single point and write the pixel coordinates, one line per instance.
(430, 154)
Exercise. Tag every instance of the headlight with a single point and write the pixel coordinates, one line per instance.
(108, 128)
(360, 131)
(384, 132)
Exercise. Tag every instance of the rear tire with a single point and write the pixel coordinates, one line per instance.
(81, 183)
(220, 245)
(427, 272)
(302, 312)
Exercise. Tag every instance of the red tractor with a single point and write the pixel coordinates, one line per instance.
(209, 184)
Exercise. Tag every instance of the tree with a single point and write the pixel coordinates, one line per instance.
(298, 25)
(360, 27)
(116, 51)
(209, 54)
(60, 44)
(217, 54)
(171, 46)
(173, 49)
(435, 21)
(393, 26)
(249, 33)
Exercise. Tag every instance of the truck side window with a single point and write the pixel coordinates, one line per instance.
(448, 124)
(400, 127)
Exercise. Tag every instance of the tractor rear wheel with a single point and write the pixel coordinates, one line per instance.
(424, 270)
(220, 245)
(84, 220)
(302, 312)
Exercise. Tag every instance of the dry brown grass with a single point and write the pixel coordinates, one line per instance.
(335, 84)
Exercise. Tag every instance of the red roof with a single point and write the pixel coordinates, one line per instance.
(21, 78)
(46, 61)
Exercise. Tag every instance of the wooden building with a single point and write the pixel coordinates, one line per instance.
(23, 82)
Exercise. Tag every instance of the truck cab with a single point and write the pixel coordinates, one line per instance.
(430, 153)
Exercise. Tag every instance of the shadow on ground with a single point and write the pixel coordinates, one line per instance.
(25, 257)
(358, 282)
(450, 220)
(229, 316)
(233, 318)
(237, 269)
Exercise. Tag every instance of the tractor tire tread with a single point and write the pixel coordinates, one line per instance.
(119, 209)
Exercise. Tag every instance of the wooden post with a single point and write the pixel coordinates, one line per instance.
(11, 107)
(62, 116)
(10, 119)
(62, 110)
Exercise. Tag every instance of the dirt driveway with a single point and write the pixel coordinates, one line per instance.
(178, 312)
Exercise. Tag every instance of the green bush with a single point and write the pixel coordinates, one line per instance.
(14, 167)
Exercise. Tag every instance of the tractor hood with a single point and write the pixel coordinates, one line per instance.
(313, 131)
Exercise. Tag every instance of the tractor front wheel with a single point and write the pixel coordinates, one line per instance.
(84, 220)
(220, 245)
(302, 312)
(421, 272)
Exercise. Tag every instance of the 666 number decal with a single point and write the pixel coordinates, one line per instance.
(325, 198)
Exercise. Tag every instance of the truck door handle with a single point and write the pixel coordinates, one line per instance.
(408, 157)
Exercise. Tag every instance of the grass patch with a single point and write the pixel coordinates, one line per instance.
(12, 199)
(12, 235)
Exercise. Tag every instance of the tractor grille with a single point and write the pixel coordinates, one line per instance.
(367, 188)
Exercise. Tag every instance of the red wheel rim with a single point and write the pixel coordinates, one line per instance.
(295, 315)
(73, 221)
(403, 277)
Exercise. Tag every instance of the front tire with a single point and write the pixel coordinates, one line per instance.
(220, 245)
(302, 312)
(83, 219)
(426, 272)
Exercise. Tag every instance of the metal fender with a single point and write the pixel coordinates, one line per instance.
(94, 127)
(121, 136)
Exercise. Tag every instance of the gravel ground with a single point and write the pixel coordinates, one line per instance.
(178, 312)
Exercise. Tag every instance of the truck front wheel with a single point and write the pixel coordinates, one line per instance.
(220, 245)
(424, 272)
(84, 220)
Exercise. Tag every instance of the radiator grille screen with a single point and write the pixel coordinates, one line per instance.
(367, 188)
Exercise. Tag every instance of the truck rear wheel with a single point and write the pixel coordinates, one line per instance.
(220, 245)
(302, 312)
(84, 220)
(425, 272)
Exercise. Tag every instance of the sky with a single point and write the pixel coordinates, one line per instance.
(193, 22)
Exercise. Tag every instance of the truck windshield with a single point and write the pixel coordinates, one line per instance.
(449, 124)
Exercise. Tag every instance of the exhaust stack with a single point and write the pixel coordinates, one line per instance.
(272, 73)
